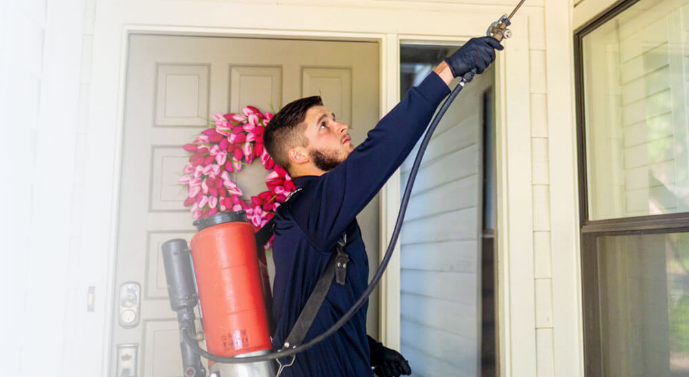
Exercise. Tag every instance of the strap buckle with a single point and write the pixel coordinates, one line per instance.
(283, 366)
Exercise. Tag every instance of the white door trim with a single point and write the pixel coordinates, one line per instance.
(388, 24)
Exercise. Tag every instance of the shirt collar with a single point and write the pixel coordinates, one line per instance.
(304, 180)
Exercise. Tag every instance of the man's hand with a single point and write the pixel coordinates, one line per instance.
(477, 54)
(387, 362)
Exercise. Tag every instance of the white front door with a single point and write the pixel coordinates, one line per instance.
(174, 86)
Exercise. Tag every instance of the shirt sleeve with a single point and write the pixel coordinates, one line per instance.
(344, 191)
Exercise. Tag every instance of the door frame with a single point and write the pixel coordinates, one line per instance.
(387, 24)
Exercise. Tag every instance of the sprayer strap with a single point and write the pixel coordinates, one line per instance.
(336, 268)
(263, 235)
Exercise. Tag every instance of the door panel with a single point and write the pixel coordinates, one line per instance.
(174, 86)
(181, 95)
(334, 84)
(250, 85)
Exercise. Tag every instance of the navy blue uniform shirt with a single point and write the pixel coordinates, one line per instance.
(309, 225)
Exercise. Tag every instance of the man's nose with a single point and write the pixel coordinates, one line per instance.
(342, 128)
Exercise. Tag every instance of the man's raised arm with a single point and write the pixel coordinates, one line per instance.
(345, 190)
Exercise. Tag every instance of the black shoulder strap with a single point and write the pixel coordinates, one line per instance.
(263, 235)
(336, 268)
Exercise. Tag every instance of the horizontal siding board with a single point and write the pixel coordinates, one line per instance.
(645, 85)
(439, 344)
(461, 319)
(633, 113)
(448, 168)
(650, 176)
(643, 39)
(455, 195)
(455, 137)
(649, 153)
(455, 225)
(656, 58)
(631, 23)
(645, 64)
(452, 256)
(651, 106)
(450, 286)
(424, 365)
(652, 129)
(659, 199)
(631, 70)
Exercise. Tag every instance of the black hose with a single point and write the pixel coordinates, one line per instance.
(189, 339)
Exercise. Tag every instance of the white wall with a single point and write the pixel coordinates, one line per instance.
(21, 64)
(41, 68)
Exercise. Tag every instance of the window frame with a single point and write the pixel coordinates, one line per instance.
(590, 230)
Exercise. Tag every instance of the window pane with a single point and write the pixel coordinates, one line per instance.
(644, 299)
(636, 92)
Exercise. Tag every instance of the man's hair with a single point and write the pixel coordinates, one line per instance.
(286, 129)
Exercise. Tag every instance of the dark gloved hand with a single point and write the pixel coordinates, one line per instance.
(476, 53)
(387, 362)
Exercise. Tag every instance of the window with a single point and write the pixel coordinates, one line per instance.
(632, 72)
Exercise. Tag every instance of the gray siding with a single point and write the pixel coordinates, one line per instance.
(440, 281)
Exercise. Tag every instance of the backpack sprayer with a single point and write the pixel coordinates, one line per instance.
(233, 286)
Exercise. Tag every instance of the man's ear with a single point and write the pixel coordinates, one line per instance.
(298, 155)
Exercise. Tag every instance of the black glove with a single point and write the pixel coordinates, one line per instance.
(477, 53)
(387, 362)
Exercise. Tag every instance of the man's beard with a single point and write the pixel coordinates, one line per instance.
(325, 161)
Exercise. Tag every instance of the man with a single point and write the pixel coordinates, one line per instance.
(335, 182)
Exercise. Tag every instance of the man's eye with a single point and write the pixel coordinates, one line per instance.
(323, 125)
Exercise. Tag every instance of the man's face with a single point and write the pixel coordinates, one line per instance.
(329, 142)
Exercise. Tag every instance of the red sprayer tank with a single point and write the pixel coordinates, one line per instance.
(230, 285)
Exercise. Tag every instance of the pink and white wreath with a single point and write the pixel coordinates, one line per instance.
(233, 141)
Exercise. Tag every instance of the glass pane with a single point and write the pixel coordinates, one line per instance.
(644, 300)
(636, 95)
